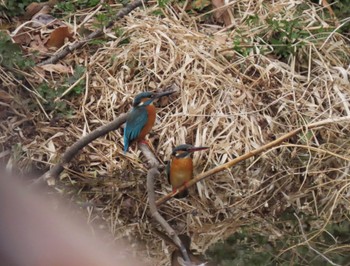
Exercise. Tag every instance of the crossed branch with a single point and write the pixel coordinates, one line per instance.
(53, 173)
(153, 172)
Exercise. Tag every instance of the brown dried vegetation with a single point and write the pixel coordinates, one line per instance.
(227, 101)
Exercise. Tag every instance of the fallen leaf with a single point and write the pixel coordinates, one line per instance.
(200, 4)
(58, 68)
(32, 9)
(42, 19)
(38, 8)
(223, 14)
(5, 97)
(58, 36)
(22, 37)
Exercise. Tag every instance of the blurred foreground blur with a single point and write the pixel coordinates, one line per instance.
(32, 233)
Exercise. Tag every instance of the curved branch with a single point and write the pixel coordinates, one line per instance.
(70, 48)
(151, 175)
(55, 171)
(249, 155)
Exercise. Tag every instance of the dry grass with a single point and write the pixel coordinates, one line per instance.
(227, 101)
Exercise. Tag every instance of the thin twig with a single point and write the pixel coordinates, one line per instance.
(308, 244)
(53, 174)
(151, 175)
(249, 155)
(327, 221)
(70, 48)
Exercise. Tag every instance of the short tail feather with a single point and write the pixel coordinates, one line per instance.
(126, 144)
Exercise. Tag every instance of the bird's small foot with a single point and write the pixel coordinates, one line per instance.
(143, 141)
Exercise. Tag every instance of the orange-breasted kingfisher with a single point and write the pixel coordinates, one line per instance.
(180, 167)
(141, 119)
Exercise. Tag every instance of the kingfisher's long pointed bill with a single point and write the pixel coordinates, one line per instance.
(161, 94)
(193, 149)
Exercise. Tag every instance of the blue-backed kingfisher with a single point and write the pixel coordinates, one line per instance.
(180, 167)
(141, 119)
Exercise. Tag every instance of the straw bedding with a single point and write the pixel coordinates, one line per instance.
(224, 100)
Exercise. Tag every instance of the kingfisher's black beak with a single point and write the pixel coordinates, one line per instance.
(161, 94)
(193, 149)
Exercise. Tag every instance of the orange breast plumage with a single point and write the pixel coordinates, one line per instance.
(181, 171)
(151, 112)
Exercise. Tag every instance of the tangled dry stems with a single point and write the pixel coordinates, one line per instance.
(227, 101)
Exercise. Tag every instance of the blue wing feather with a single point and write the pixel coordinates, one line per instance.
(136, 120)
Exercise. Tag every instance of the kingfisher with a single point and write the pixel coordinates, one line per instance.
(180, 168)
(141, 119)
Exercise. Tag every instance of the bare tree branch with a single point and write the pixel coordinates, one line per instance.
(54, 172)
(251, 154)
(70, 48)
(151, 175)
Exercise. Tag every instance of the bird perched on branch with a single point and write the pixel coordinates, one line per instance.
(141, 118)
(180, 167)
